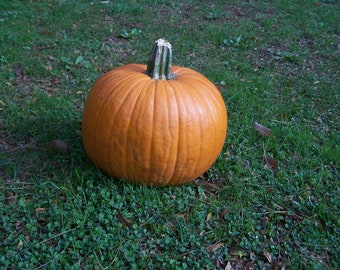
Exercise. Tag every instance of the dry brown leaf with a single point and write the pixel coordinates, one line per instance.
(262, 130)
(209, 216)
(271, 163)
(221, 87)
(124, 220)
(210, 187)
(60, 146)
(246, 164)
(10, 197)
(212, 248)
(40, 210)
(20, 244)
(228, 266)
(268, 256)
(248, 265)
(17, 225)
(238, 253)
(220, 263)
(223, 213)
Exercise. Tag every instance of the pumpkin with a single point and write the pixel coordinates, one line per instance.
(155, 125)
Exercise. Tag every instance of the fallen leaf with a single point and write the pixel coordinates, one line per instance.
(124, 220)
(60, 146)
(228, 266)
(220, 263)
(262, 130)
(209, 216)
(20, 244)
(40, 210)
(268, 256)
(248, 265)
(225, 211)
(271, 163)
(17, 225)
(213, 248)
(210, 187)
(45, 32)
(4, 146)
(221, 87)
(50, 57)
(246, 164)
(238, 253)
(10, 197)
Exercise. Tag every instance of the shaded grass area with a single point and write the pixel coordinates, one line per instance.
(267, 202)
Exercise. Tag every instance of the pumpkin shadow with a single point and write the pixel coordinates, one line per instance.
(45, 146)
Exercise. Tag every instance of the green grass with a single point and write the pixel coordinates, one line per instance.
(279, 61)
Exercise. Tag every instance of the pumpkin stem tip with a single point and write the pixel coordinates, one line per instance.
(160, 61)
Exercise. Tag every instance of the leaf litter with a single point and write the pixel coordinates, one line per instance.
(262, 130)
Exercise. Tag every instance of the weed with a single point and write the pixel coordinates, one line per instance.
(130, 34)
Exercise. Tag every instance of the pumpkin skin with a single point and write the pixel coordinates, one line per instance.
(154, 132)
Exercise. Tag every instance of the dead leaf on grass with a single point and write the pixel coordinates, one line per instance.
(40, 210)
(124, 220)
(220, 263)
(210, 187)
(271, 163)
(268, 256)
(246, 164)
(223, 213)
(221, 87)
(262, 130)
(228, 266)
(10, 198)
(20, 244)
(212, 248)
(238, 254)
(60, 146)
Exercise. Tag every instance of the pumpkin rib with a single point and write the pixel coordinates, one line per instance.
(198, 100)
(192, 91)
(125, 97)
(183, 141)
(172, 129)
(92, 101)
(173, 123)
(128, 98)
(132, 130)
(106, 103)
(157, 138)
(183, 136)
(195, 132)
(178, 137)
(207, 131)
(163, 140)
(203, 100)
(152, 129)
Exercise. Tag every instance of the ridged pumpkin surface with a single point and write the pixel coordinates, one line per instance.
(156, 132)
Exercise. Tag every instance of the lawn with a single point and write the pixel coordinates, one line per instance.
(270, 201)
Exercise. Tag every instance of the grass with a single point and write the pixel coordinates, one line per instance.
(267, 202)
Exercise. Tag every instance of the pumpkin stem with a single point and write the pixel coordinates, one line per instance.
(160, 60)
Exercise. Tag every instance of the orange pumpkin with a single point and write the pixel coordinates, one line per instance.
(155, 124)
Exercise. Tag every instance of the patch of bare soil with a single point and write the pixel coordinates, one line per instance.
(26, 84)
